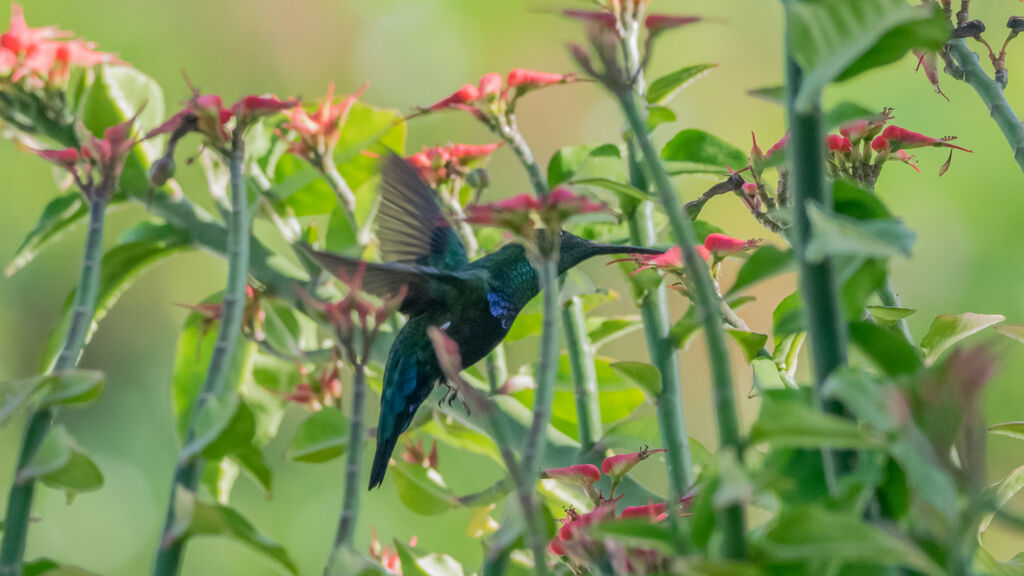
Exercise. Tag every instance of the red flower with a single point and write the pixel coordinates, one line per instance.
(319, 132)
(490, 85)
(897, 138)
(97, 165)
(778, 147)
(865, 128)
(660, 22)
(575, 522)
(580, 474)
(671, 259)
(617, 466)
(721, 245)
(906, 158)
(562, 203)
(66, 159)
(20, 38)
(208, 113)
(469, 152)
(77, 53)
(655, 512)
(465, 95)
(252, 108)
(525, 80)
(556, 548)
(32, 52)
(838, 143)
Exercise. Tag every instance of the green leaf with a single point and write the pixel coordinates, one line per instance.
(378, 131)
(79, 474)
(888, 350)
(793, 423)
(611, 328)
(432, 564)
(341, 237)
(698, 147)
(638, 533)
(813, 534)
(321, 437)
(645, 375)
(890, 315)
(48, 567)
(1001, 493)
(54, 453)
(845, 112)
(147, 244)
(767, 375)
(752, 343)
(665, 88)
(1011, 429)
(851, 200)
(948, 329)
(461, 436)
(422, 490)
(864, 394)
(837, 39)
(211, 423)
(764, 263)
(618, 187)
(788, 317)
(254, 463)
(117, 94)
(570, 160)
(609, 378)
(59, 215)
(217, 520)
(772, 94)
(836, 235)
(236, 436)
(658, 115)
(526, 324)
(1013, 331)
(71, 387)
(219, 477)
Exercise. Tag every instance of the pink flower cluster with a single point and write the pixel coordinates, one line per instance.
(444, 163)
(44, 55)
(96, 166)
(318, 131)
(385, 556)
(206, 114)
(517, 213)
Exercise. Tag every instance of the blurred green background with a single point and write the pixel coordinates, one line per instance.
(414, 52)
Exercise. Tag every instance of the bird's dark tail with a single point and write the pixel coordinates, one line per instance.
(385, 447)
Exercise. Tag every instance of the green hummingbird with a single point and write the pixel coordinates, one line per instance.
(474, 303)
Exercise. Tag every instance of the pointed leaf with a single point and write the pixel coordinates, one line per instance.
(645, 375)
(948, 329)
(665, 88)
(79, 474)
(837, 235)
(54, 453)
(752, 343)
(321, 437)
(700, 148)
(888, 350)
(792, 423)
(568, 161)
(612, 328)
(764, 263)
(422, 490)
(1011, 429)
(58, 216)
(1014, 331)
(217, 520)
(890, 315)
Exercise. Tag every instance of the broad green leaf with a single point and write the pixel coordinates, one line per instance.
(58, 216)
(237, 435)
(813, 534)
(526, 324)
(79, 474)
(764, 263)
(837, 39)
(1001, 493)
(432, 564)
(861, 279)
(788, 317)
(611, 328)
(697, 147)
(341, 237)
(1011, 429)
(71, 387)
(48, 567)
(117, 94)
(219, 477)
(217, 520)
(750, 342)
(378, 131)
(461, 436)
(793, 423)
(948, 329)
(609, 378)
(212, 422)
(302, 188)
(645, 375)
(837, 235)
(658, 115)
(767, 375)
(665, 88)
(851, 200)
(890, 315)
(422, 490)
(254, 463)
(54, 453)
(147, 244)
(888, 350)
(618, 188)
(568, 161)
(321, 437)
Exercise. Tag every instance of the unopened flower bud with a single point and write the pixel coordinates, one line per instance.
(162, 170)
(1015, 24)
(969, 29)
(478, 179)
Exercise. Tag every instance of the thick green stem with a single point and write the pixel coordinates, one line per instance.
(818, 283)
(186, 474)
(584, 376)
(19, 502)
(353, 467)
(547, 370)
(991, 94)
(707, 304)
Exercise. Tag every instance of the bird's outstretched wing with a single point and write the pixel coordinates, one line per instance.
(426, 286)
(411, 228)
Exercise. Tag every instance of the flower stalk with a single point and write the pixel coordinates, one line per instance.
(584, 375)
(187, 474)
(353, 465)
(19, 502)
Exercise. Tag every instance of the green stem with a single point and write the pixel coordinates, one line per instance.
(991, 94)
(706, 301)
(353, 467)
(654, 311)
(584, 375)
(19, 502)
(345, 196)
(186, 475)
(547, 370)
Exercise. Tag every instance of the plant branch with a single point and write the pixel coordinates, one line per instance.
(168, 559)
(584, 376)
(706, 301)
(968, 68)
(19, 502)
(353, 465)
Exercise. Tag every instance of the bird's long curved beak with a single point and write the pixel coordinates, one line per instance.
(604, 249)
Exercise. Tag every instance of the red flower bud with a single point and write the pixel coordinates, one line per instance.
(251, 108)
(525, 80)
(778, 147)
(838, 143)
(722, 245)
(465, 95)
(671, 259)
(906, 158)
(580, 474)
(66, 158)
(490, 85)
(617, 466)
(655, 512)
(880, 143)
(901, 138)
(555, 547)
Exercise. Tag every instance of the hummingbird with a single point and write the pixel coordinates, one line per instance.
(473, 303)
